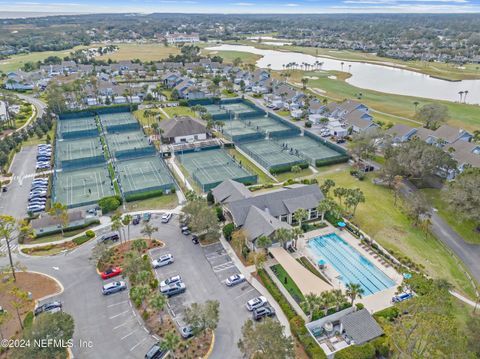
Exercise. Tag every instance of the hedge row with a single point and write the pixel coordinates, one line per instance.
(80, 240)
(331, 161)
(143, 195)
(297, 324)
(287, 168)
(374, 349)
(69, 229)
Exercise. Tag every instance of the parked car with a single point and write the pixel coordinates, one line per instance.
(51, 307)
(163, 260)
(156, 352)
(173, 289)
(186, 230)
(186, 331)
(147, 216)
(111, 272)
(171, 280)
(113, 287)
(166, 217)
(266, 311)
(256, 303)
(136, 219)
(235, 279)
(111, 236)
(195, 239)
(401, 297)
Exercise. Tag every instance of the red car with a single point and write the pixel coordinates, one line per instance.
(112, 272)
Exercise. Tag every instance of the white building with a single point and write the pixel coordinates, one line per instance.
(183, 130)
(181, 38)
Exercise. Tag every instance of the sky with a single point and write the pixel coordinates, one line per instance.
(241, 6)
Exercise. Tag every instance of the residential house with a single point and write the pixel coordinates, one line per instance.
(183, 86)
(401, 133)
(171, 79)
(183, 129)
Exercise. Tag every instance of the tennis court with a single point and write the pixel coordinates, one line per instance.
(239, 130)
(83, 186)
(270, 155)
(77, 127)
(308, 148)
(237, 107)
(268, 125)
(130, 144)
(212, 166)
(143, 174)
(81, 152)
(120, 121)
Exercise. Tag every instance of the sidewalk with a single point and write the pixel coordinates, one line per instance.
(247, 272)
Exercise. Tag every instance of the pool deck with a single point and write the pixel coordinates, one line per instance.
(374, 302)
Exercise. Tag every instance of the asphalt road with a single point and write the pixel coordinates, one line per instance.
(14, 202)
(107, 326)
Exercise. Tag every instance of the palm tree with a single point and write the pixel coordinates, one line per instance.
(300, 215)
(416, 103)
(342, 63)
(465, 93)
(461, 94)
(7, 227)
(326, 301)
(59, 211)
(338, 298)
(354, 291)
(323, 207)
(126, 221)
(148, 230)
(297, 233)
(171, 342)
(117, 223)
(282, 235)
(311, 304)
(158, 302)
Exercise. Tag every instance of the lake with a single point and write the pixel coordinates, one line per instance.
(369, 76)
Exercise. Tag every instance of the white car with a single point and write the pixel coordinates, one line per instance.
(235, 279)
(256, 303)
(166, 217)
(162, 261)
(171, 280)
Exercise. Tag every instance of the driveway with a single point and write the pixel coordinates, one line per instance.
(14, 202)
(204, 270)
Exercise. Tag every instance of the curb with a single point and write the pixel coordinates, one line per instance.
(62, 289)
(212, 344)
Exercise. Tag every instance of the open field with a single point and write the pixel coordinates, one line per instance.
(388, 225)
(167, 201)
(465, 228)
(442, 70)
(461, 115)
(143, 52)
(179, 111)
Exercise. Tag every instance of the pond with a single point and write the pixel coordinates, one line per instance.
(380, 78)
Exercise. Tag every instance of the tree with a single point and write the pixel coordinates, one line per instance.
(338, 298)
(364, 144)
(126, 221)
(171, 342)
(463, 195)
(202, 218)
(354, 291)
(19, 301)
(139, 245)
(311, 304)
(282, 236)
(265, 340)
(327, 299)
(326, 186)
(296, 169)
(263, 242)
(138, 294)
(354, 198)
(59, 211)
(203, 316)
(148, 229)
(433, 115)
(7, 227)
(340, 192)
(25, 231)
(116, 224)
(158, 302)
(56, 326)
(416, 206)
(300, 215)
(109, 204)
(327, 205)
(239, 240)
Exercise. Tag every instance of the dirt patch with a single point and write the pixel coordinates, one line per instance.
(38, 285)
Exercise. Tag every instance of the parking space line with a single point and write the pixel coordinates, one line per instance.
(121, 325)
(119, 314)
(136, 345)
(248, 291)
(222, 267)
(126, 336)
(113, 305)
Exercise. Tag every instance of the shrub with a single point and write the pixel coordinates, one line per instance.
(365, 351)
(276, 294)
(381, 347)
(297, 326)
(389, 313)
(109, 204)
(90, 233)
(308, 124)
(228, 230)
(210, 198)
(359, 306)
(28, 320)
(219, 212)
(154, 283)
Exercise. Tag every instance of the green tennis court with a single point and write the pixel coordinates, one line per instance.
(143, 174)
(307, 148)
(234, 128)
(81, 187)
(118, 121)
(211, 167)
(267, 124)
(237, 107)
(77, 149)
(77, 127)
(269, 154)
(132, 143)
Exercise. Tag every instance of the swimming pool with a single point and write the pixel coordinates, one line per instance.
(349, 263)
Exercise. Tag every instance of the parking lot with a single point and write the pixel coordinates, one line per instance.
(14, 202)
(204, 271)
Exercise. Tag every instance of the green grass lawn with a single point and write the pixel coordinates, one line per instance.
(282, 177)
(461, 115)
(144, 52)
(288, 283)
(148, 120)
(250, 166)
(179, 111)
(58, 236)
(167, 201)
(465, 228)
(388, 225)
(229, 56)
